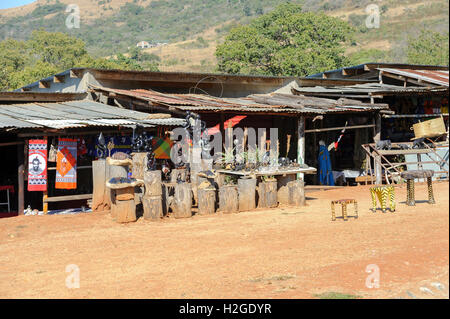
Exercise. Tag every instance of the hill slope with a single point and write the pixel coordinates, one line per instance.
(193, 28)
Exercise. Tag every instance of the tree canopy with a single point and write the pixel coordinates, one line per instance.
(428, 48)
(47, 53)
(286, 41)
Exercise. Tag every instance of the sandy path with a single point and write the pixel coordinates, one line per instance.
(278, 253)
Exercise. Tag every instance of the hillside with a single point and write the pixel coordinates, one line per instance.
(193, 28)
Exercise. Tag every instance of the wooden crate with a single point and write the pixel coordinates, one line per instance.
(430, 128)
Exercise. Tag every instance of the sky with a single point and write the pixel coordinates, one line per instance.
(4, 4)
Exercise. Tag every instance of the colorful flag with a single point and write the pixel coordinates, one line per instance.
(162, 148)
(37, 165)
(66, 164)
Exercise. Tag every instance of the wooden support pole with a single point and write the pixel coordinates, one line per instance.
(376, 138)
(20, 179)
(45, 202)
(301, 144)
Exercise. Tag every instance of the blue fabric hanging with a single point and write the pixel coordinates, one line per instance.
(325, 172)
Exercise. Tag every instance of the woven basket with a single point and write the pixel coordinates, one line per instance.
(430, 128)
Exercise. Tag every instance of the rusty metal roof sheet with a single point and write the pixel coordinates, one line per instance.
(76, 114)
(252, 103)
(439, 77)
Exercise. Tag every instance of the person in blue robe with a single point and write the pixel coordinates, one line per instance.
(325, 171)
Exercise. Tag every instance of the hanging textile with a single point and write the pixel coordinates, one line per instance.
(37, 165)
(162, 147)
(325, 172)
(66, 164)
(118, 144)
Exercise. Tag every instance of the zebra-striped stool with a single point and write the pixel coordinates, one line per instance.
(383, 192)
(410, 176)
(344, 203)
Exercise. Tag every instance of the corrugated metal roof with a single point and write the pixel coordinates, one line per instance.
(288, 103)
(439, 77)
(369, 88)
(76, 114)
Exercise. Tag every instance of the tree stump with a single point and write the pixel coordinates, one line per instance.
(182, 201)
(228, 199)
(206, 201)
(152, 181)
(99, 196)
(124, 193)
(283, 191)
(124, 211)
(267, 193)
(153, 209)
(247, 193)
(296, 193)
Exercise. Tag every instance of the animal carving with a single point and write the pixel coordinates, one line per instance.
(383, 145)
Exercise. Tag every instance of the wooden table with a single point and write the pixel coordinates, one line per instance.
(309, 170)
(285, 177)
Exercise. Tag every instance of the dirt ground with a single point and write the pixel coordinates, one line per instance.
(276, 253)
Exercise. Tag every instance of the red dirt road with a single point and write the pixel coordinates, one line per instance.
(277, 253)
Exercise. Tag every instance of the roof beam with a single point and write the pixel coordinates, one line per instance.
(119, 75)
(40, 96)
(59, 79)
(44, 84)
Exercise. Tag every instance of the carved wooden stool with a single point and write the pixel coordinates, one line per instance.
(410, 176)
(383, 192)
(344, 203)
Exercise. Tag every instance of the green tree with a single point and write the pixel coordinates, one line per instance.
(428, 48)
(286, 41)
(47, 53)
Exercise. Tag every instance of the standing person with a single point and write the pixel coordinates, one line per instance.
(325, 171)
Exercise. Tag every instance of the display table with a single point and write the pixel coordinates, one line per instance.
(289, 190)
(309, 170)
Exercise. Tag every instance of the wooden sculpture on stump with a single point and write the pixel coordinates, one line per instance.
(152, 200)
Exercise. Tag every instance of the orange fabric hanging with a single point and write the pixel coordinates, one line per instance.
(66, 164)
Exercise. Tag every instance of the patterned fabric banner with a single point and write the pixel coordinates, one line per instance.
(66, 164)
(162, 147)
(37, 165)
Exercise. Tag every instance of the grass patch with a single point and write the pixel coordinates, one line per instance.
(336, 295)
(274, 278)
